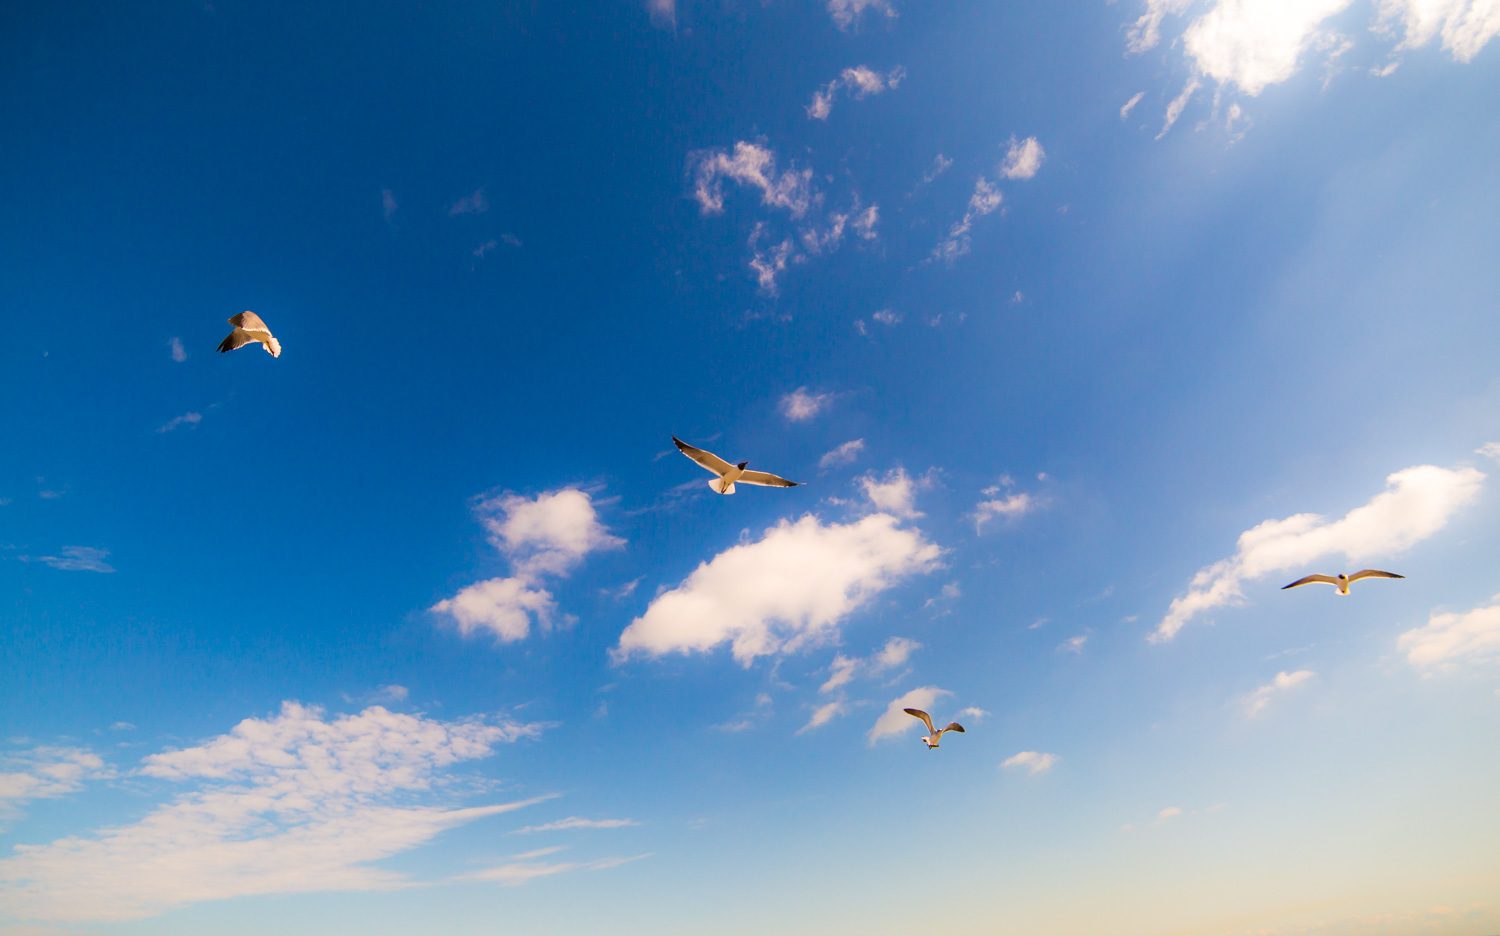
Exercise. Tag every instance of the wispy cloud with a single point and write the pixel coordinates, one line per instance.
(663, 13)
(940, 165)
(191, 420)
(527, 868)
(175, 348)
(46, 773)
(1450, 638)
(802, 404)
(755, 166)
(1417, 503)
(846, 13)
(388, 205)
(984, 200)
(1490, 450)
(577, 822)
(844, 454)
(1033, 762)
(1075, 643)
(76, 559)
(1129, 105)
(1256, 701)
(824, 714)
(1023, 159)
(788, 590)
(295, 803)
(473, 203)
(547, 535)
(860, 81)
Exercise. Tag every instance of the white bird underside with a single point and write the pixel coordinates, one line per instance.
(727, 473)
(1341, 581)
(248, 329)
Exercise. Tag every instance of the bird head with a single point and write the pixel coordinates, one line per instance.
(741, 465)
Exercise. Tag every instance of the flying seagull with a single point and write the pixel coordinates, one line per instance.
(1342, 581)
(728, 474)
(249, 328)
(934, 735)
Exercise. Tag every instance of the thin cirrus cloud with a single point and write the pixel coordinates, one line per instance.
(175, 348)
(894, 720)
(546, 535)
(984, 200)
(294, 803)
(1256, 701)
(577, 822)
(525, 867)
(1033, 762)
(1417, 503)
(1250, 46)
(845, 454)
(189, 419)
(860, 81)
(1451, 638)
(1129, 105)
(76, 559)
(786, 591)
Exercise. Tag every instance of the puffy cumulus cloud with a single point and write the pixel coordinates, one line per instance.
(999, 505)
(1451, 638)
(894, 720)
(1033, 762)
(46, 773)
(895, 493)
(294, 803)
(1465, 26)
(503, 606)
(1256, 701)
(801, 404)
(984, 200)
(844, 454)
(846, 13)
(549, 533)
(896, 652)
(753, 165)
(577, 822)
(790, 589)
(1417, 503)
(860, 81)
(1023, 159)
(1256, 43)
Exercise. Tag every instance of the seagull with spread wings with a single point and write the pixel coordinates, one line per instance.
(934, 735)
(1342, 581)
(248, 328)
(727, 474)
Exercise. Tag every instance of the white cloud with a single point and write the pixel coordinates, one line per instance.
(984, 200)
(816, 241)
(1465, 25)
(788, 590)
(1129, 105)
(175, 348)
(1174, 109)
(896, 493)
(1000, 505)
(1255, 702)
(940, 165)
(1490, 450)
(1023, 159)
(473, 203)
(663, 12)
(847, 12)
(577, 822)
(1170, 812)
(755, 166)
(77, 559)
(191, 420)
(46, 773)
(886, 316)
(485, 248)
(503, 606)
(824, 714)
(894, 721)
(841, 673)
(1146, 32)
(896, 652)
(294, 803)
(973, 713)
(844, 454)
(1074, 644)
(526, 868)
(1033, 762)
(860, 80)
(1449, 638)
(801, 405)
(769, 264)
(1417, 503)
(388, 204)
(545, 535)
(864, 222)
(549, 533)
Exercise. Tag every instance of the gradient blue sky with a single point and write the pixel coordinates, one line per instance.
(424, 627)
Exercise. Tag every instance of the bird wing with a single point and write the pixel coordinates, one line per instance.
(236, 339)
(955, 726)
(926, 719)
(707, 459)
(249, 321)
(766, 479)
(1307, 580)
(1373, 573)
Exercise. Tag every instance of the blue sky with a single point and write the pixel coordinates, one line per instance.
(1088, 326)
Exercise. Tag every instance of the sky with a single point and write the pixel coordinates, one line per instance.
(1085, 326)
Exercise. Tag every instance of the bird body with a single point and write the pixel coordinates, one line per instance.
(1342, 581)
(934, 735)
(249, 328)
(727, 474)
